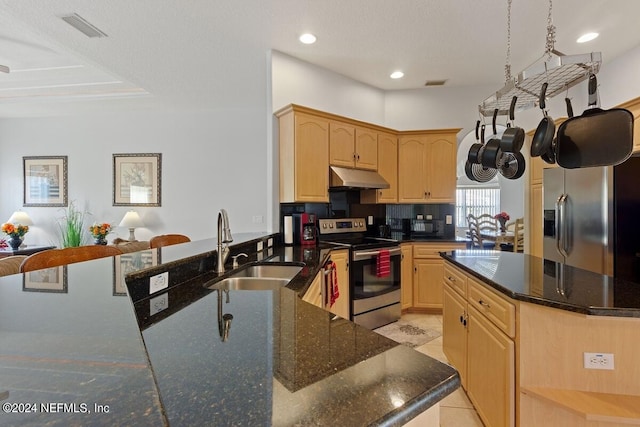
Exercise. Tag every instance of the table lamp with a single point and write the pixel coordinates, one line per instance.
(20, 218)
(131, 220)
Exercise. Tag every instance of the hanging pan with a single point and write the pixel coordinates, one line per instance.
(475, 151)
(543, 136)
(595, 138)
(513, 137)
(479, 173)
(511, 165)
(492, 151)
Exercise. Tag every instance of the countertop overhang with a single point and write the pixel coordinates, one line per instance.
(540, 281)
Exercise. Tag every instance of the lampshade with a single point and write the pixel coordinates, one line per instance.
(21, 218)
(131, 220)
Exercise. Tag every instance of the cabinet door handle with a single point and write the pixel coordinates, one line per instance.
(358, 157)
(381, 192)
(484, 304)
(354, 156)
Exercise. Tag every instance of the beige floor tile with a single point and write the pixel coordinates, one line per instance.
(459, 417)
(457, 399)
(433, 349)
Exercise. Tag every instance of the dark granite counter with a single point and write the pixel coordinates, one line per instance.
(540, 281)
(77, 351)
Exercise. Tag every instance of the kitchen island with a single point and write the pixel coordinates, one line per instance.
(79, 347)
(529, 331)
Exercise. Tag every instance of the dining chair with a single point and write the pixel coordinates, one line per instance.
(57, 257)
(11, 264)
(167, 240)
(476, 227)
(517, 227)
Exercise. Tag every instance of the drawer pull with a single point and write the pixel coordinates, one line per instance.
(485, 304)
(451, 278)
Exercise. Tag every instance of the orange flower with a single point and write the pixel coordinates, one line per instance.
(100, 230)
(13, 231)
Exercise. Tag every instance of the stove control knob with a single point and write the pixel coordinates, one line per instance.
(324, 225)
(361, 224)
(331, 225)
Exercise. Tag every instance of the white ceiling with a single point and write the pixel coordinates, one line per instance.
(206, 53)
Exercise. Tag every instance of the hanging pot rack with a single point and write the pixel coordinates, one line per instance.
(558, 70)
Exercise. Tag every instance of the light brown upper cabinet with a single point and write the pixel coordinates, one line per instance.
(352, 146)
(427, 167)
(304, 157)
(387, 168)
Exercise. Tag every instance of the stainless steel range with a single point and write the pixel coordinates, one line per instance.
(374, 270)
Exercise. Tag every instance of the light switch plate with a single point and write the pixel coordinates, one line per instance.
(158, 282)
(159, 303)
(429, 216)
(420, 216)
(259, 246)
(449, 219)
(269, 242)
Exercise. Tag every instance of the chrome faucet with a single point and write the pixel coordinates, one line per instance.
(224, 236)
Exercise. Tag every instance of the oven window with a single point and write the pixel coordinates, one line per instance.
(367, 284)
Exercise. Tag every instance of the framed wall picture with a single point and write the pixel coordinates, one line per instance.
(137, 179)
(45, 180)
(129, 262)
(52, 279)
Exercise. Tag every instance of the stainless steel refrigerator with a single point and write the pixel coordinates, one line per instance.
(591, 218)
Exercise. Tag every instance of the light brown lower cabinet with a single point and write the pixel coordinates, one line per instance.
(476, 323)
(428, 268)
(318, 291)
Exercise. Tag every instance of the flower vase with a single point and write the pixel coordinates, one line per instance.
(15, 242)
(503, 225)
(100, 240)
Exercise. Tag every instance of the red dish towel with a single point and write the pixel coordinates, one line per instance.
(333, 284)
(383, 264)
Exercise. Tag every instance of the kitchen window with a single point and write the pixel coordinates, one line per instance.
(475, 201)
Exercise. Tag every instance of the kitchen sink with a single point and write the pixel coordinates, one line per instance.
(261, 277)
(250, 284)
(271, 271)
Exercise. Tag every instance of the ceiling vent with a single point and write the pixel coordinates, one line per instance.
(435, 82)
(82, 25)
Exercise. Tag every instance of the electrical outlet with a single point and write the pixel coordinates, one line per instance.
(159, 303)
(370, 220)
(259, 246)
(158, 282)
(598, 361)
(420, 216)
(448, 219)
(429, 216)
(269, 242)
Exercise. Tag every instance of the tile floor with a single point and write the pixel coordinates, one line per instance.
(455, 410)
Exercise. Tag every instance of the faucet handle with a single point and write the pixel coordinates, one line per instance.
(235, 259)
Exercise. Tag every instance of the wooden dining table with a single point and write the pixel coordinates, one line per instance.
(499, 237)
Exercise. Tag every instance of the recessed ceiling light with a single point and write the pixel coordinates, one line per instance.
(397, 75)
(307, 38)
(587, 37)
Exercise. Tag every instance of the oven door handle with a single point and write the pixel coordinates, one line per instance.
(360, 255)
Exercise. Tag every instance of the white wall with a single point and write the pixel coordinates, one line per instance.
(210, 160)
(299, 82)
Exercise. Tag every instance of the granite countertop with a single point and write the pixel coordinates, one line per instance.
(527, 278)
(78, 340)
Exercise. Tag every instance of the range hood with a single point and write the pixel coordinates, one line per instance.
(355, 178)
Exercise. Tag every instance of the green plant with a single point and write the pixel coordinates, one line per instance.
(71, 226)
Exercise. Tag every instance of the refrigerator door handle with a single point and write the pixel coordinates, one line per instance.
(561, 225)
